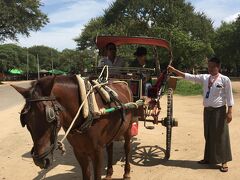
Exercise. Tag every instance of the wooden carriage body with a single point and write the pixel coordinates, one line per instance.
(151, 108)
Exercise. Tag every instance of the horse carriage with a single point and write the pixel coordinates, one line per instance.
(91, 122)
(150, 109)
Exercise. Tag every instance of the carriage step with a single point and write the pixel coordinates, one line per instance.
(149, 127)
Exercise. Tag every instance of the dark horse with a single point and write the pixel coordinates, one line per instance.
(52, 102)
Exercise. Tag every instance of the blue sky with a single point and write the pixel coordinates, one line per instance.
(68, 17)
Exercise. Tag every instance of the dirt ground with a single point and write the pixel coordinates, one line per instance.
(147, 160)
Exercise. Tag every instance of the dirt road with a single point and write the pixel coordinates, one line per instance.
(147, 160)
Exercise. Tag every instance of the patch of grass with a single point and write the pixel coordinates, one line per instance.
(187, 88)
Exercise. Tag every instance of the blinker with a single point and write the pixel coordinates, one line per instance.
(50, 114)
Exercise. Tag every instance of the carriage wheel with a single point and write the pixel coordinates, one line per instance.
(169, 122)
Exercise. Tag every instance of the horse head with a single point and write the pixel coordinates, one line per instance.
(41, 116)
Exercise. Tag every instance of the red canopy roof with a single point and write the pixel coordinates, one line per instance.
(102, 41)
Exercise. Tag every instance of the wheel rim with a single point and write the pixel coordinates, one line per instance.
(169, 122)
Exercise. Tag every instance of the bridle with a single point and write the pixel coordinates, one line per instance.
(52, 117)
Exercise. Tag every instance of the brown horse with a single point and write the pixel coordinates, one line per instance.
(52, 102)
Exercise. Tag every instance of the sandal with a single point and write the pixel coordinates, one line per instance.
(203, 162)
(224, 168)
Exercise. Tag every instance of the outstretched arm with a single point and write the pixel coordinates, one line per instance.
(176, 71)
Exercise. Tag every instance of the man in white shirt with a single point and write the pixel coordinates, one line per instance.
(217, 94)
(111, 58)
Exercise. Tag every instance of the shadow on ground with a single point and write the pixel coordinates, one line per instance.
(155, 155)
(140, 156)
(70, 160)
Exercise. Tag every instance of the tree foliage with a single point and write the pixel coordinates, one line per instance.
(227, 45)
(20, 17)
(10, 56)
(70, 61)
(47, 56)
(190, 34)
(75, 62)
(176, 21)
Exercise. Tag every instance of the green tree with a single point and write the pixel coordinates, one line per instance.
(68, 59)
(76, 62)
(188, 32)
(226, 46)
(87, 37)
(11, 56)
(20, 17)
(47, 57)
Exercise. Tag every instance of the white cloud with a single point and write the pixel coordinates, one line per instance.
(80, 11)
(217, 10)
(59, 38)
(54, 2)
(55, 34)
(231, 17)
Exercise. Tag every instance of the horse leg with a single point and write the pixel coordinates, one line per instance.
(110, 159)
(127, 147)
(97, 163)
(84, 161)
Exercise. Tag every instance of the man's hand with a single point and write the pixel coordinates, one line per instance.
(171, 69)
(229, 114)
(229, 117)
(175, 71)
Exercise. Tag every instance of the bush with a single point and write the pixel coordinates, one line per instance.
(187, 88)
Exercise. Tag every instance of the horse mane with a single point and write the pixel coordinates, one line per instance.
(69, 80)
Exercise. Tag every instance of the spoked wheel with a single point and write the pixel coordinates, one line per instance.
(147, 155)
(169, 122)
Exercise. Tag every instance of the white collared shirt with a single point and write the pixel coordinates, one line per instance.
(119, 62)
(220, 91)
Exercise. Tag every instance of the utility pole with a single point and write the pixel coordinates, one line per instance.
(38, 67)
(27, 65)
(52, 62)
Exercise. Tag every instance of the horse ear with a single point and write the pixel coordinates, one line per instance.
(24, 92)
(46, 84)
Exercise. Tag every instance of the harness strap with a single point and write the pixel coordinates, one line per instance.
(88, 122)
(122, 111)
(43, 98)
(102, 91)
(52, 147)
(83, 95)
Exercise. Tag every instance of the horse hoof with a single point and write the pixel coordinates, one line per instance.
(126, 177)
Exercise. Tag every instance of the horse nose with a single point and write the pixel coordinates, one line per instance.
(43, 163)
(47, 163)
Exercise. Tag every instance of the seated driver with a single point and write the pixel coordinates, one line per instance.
(111, 58)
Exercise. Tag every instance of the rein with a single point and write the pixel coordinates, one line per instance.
(44, 98)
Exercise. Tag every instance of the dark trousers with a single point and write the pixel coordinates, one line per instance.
(217, 141)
